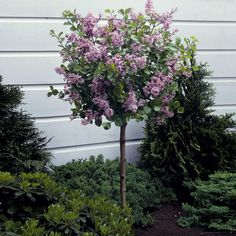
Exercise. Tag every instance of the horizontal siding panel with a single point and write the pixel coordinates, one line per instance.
(65, 132)
(187, 9)
(221, 110)
(222, 64)
(225, 93)
(109, 151)
(28, 68)
(38, 104)
(34, 35)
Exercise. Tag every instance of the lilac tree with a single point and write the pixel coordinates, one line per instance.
(118, 68)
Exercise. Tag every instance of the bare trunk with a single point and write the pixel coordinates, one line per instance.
(122, 166)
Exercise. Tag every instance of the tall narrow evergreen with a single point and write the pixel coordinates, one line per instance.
(195, 143)
(21, 147)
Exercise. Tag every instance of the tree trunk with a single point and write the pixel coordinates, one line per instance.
(122, 166)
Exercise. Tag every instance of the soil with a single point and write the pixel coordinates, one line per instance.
(165, 225)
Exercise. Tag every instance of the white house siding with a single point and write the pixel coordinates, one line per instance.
(28, 56)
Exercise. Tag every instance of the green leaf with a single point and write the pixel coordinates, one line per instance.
(107, 11)
(98, 123)
(147, 110)
(118, 121)
(106, 125)
(11, 211)
(180, 110)
(122, 11)
(127, 10)
(195, 68)
(157, 108)
(176, 104)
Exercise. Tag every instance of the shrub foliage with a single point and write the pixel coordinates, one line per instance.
(98, 176)
(194, 143)
(21, 146)
(33, 204)
(214, 203)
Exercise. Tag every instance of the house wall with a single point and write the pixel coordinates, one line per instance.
(28, 56)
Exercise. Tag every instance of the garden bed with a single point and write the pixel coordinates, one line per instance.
(165, 225)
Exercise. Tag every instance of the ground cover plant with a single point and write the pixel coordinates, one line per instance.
(99, 176)
(121, 70)
(194, 143)
(214, 205)
(21, 144)
(32, 204)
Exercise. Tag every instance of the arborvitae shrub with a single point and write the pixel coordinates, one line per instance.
(194, 143)
(32, 204)
(21, 144)
(214, 204)
(96, 176)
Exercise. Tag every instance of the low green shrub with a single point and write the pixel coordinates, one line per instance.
(214, 203)
(35, 205)
(98, 176)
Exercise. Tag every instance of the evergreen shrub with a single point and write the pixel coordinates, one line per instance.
(96, 176)
(194, 143)
(21, 144)
(214, 204)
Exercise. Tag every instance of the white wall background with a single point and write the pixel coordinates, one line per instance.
(28, 56)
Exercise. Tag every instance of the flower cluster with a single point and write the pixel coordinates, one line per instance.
(119, 68)
(156, 85)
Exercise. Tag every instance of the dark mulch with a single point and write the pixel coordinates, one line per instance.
(165, 225)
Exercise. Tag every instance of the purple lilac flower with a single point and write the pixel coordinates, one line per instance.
(72, 38)
(152, 39)
(117, 39)
(74, 79)
(103, 106)
(166, 112)
(133, 68)
(134, 16)
(98, 86)
(60, 71)
(131, 103)
(136, 47)
(141, 103)
(149, 9)
(140, 62)
(167, 98)
(155, 91)
(94, 54)
(84, 45)
(109, 112)
(155, 86)
(166, 19)
(89, 23)
(129, 57)
(171, 64)
(119, 63)
(117, 24)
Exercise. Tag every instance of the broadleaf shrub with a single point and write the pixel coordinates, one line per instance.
(34, 204)
(21, 144)
(214, 204)
(96, 176)
(194, 143)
